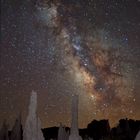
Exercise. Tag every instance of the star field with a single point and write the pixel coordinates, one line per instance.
(60, 48)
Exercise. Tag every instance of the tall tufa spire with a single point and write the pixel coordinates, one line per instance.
(74, 134)
(32, 130)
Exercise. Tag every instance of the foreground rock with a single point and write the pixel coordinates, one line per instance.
(32, 130)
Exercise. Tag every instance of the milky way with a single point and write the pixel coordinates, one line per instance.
(60, 48)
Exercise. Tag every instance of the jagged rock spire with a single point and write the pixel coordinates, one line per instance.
(62, 134)
(138, 136)
(4, 131)
(74, 134)
(16, 133)
(32, 130)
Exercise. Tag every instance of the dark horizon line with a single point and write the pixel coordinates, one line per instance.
(57, 126)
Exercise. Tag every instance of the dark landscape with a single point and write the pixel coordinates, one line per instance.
(126, 129)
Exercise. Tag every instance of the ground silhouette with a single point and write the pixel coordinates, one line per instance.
(126, 129)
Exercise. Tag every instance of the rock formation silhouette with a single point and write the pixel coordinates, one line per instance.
(138, 136)
(62, 134)
(74, 133)
(4, 131)
(16, 133)
(32, 130)
(98, 129)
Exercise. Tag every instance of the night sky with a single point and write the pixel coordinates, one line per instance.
(64, 47)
